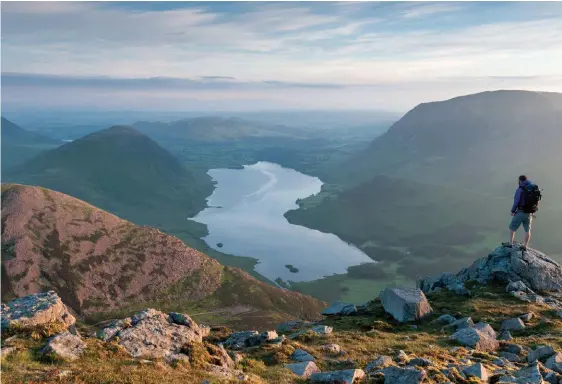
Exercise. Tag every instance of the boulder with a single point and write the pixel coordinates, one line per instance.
(465, 322)
(346, 376)
(554, 362)
(534, 269)
(153, 334)
(37, 309)
(380, 362)
(65, 346)
(408, 375)
(531, 374)
(301, 355)
(472, 337)
(540, 353)
(511, 357)
(477, 370)
(487, 329)
(340, 308)
(405, 304)
(515, 348)
(514, 324)
(303, 369)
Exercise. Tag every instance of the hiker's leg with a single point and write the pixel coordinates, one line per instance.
(527, 227)
(527, 239)
(514, 226)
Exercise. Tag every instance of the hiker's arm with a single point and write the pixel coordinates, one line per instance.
(516, 199)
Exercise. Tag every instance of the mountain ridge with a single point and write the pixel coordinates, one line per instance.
(102, 265)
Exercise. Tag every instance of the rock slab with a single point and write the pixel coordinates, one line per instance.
(405, 304)
(36, 309)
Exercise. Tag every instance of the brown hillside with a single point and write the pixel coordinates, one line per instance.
(102, 265)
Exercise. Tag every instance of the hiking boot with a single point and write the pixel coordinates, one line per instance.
(507, 245)
(522, 248)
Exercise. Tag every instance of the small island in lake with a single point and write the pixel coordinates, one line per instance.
(291, 268)
(220, 245)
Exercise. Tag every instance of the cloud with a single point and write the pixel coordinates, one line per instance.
(335, 53)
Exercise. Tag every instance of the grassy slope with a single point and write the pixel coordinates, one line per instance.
(124, 172)
(362, 337)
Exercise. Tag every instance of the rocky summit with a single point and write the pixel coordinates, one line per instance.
(529, 274)
(436, 334)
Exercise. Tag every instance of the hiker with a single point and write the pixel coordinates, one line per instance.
(525, 204)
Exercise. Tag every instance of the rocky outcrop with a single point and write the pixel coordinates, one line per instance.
(405, 304)
(35, 310)
(65, 346)
(524, 271)
(153, 334)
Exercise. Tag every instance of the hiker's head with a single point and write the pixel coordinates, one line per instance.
(522, 179)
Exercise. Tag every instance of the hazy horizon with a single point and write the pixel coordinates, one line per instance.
(244, 57)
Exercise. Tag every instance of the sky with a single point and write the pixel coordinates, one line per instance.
(196, 56)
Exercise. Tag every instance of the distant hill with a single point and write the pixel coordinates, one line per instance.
(213, 129)
(122, 171)
(19, 145)
(102, 265)
(486, 139)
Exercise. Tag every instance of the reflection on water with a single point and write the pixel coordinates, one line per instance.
(246, 217)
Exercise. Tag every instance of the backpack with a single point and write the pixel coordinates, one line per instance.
(531, 197)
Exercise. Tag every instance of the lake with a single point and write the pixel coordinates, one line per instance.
(245, 216)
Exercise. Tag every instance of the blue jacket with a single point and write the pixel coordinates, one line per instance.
(519, 199)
